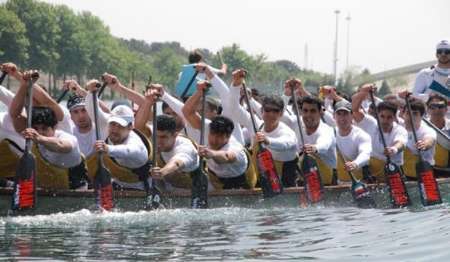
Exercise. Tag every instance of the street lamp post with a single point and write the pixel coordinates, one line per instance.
(336, 48)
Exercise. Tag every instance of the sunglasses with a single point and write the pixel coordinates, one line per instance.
(443, 51)
(269, 109)
(437, 106)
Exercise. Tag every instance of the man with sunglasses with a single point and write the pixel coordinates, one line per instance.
(437, 110)
(279, 139)
(435, 79)
(426, 139)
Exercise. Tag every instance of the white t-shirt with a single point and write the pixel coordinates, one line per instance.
(185, 151)
(324, 140)
(132, 153)
(424, 79)
(398, 133)
(7, 131)
(234, 169)
(282, 140)
(424, 131)
(86, 141)
(64, 160)
(356, 146)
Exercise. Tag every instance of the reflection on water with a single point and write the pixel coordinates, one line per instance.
(346, 234)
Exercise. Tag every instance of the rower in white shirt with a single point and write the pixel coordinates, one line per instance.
(319, 138)
(227, 160)
(127, 149)
(177, 157)
(277, 136)
(437, 111)
(354, 144)
(59, 163)
(426, 138)
(394, 134)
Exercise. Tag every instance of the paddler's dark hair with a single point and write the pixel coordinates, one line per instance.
(43, 116)
(221, 125)
(273, 101)
(166, 123)
(195, 57)
(311, 100)
(418, 105)
(436, 97)
(385, 105)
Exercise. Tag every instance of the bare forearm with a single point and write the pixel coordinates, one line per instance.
(130, 94)
(223, 157)
(55, 144)
(18, 101)
(143, 115)
(172, 166)
(45, 99)
(189, 110)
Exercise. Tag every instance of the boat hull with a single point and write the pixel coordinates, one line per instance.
(52, 201)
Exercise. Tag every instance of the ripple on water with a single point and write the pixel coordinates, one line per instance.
(346, 234)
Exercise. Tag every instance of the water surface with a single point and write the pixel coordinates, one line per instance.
(231, 234)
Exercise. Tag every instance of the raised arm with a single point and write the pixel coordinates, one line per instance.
(145, 111)
(17, 104)
(241, 115)
(189, 108)
(357, 100)
(102, 116)
(116, 85)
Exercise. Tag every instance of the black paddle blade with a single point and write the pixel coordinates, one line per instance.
(428, 187)
(362, 196)
(396, 183)
(199, 195)
(313, 182)
(269, 180)
(2, 77)
(24, 194)
(153, 196)
(103, 189)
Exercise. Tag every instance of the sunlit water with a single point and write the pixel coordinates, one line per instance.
(231, 234)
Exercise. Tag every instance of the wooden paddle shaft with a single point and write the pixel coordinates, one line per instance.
(413, 129)
(297, 115)
(2, 77)
(63, 94)
(247, 101)
(372, 98)
(97, 129)
(154, 137)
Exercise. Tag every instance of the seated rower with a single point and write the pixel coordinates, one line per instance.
(437, 110)
(12, 143)
(354, 144)
(125, 148)
(394, 134)
(426, 138)
(59, 164)
(226, 158)
(277, 136)
(319, 138)
(177, 156)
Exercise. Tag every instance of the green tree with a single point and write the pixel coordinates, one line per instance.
(14, 43)
(42, 31)
(72, 45)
